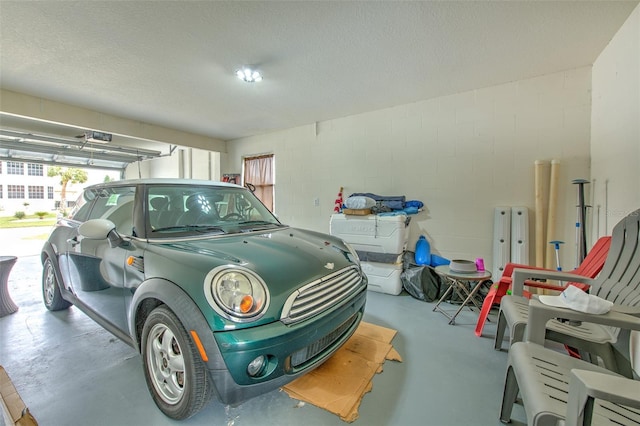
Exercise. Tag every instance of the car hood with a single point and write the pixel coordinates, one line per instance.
(285, 259)
(294, 254)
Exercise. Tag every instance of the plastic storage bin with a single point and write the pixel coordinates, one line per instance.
(383, 277)
(372, 233)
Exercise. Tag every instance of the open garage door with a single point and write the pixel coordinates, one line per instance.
(87, 150)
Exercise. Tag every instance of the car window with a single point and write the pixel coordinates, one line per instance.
(184, 209)
(115, 204)
(83, 205)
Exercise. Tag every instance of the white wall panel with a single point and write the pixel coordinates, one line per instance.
(501, 239)
(520, 235)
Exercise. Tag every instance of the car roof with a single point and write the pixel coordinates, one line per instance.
(164, 181)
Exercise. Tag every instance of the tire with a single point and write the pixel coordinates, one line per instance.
(176, 375)
(51, 289)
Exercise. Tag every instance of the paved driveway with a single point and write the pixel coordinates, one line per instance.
(23, 241)
(25, 277)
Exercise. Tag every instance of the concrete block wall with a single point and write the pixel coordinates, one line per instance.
(615, 127)
(462, 155)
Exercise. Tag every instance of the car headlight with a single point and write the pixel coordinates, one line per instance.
(354, 254)
(236, 293)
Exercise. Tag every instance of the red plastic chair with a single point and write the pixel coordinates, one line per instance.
(590, 267)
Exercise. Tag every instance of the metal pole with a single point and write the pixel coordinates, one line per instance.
(581, 229)
(556, 246)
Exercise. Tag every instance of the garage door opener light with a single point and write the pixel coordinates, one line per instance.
(97, 137)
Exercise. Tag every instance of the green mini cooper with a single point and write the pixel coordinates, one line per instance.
(217, 295)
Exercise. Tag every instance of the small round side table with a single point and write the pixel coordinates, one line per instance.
(458, 283)
(7, 306)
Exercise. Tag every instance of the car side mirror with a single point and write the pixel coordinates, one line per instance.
(96, 229)
(100, 229)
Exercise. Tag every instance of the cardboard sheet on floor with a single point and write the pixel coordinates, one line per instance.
(14, 410)
(339, 384)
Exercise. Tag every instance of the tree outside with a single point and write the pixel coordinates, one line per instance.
(68, 175)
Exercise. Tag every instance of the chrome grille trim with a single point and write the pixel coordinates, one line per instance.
(321, 294)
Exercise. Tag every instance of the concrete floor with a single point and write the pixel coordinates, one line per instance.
(69, 371)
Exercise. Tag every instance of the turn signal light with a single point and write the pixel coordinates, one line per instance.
(246, 304)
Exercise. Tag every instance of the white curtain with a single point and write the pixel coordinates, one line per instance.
(258, 171)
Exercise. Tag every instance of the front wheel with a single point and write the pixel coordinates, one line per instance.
(176, 376)
(51, 289)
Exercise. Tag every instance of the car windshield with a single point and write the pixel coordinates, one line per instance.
(183, 210)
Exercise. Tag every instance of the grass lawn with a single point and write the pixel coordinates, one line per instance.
(28, 221)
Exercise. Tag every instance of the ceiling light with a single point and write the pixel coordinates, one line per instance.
(249, 75)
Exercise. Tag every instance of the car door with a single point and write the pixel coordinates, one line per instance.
(97, 265)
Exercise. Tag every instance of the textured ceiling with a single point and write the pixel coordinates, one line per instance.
(173, 63)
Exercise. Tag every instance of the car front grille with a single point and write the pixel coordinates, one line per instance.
(305, 354)
(322, 294)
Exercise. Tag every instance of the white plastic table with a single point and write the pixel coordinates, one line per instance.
(460, 282)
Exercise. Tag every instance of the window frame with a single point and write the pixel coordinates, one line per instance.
(35, 192)
(12, 190)
(13, 167)
(35, 169)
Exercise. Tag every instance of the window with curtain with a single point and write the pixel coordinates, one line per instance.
(259, 172)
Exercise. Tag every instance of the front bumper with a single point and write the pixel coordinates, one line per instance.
(293, 350)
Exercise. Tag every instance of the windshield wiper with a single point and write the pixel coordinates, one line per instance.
(258, 222)
(191, 228)
(257, 225)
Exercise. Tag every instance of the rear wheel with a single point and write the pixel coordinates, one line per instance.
(50, 288)
(176, 376)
